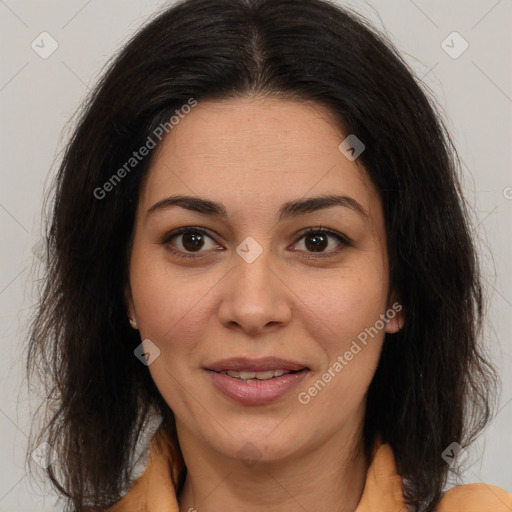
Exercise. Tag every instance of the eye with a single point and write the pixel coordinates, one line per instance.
(192, 239)
(190, 242)
(316, 240)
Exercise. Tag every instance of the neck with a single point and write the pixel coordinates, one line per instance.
(330, 476)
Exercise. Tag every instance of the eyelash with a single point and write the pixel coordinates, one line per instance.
(344, 241)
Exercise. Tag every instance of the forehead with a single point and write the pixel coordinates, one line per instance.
(252, 152)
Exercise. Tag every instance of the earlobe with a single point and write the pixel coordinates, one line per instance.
(130, 308)
(395, 318)
(394, 325)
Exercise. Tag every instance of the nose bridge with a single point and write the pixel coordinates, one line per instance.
(253, 269)
(253, 266)
(255, 296)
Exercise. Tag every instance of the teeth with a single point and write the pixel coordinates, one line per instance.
(245, 375)
(250, 376)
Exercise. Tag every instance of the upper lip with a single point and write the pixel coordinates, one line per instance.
(243, 364)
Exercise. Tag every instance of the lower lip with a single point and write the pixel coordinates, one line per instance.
(259, 391)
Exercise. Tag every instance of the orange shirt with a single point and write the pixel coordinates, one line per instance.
(155, 489)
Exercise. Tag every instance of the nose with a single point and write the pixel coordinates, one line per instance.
(255, 298)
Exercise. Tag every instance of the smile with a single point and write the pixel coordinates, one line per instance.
(256, 388)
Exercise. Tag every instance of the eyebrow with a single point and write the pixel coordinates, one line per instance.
(288, 210)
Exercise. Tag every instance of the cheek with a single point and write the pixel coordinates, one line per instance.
(343, 315)
(352, 330)
(169, 304)
(343, 305)
(171, 312)
(351, 339)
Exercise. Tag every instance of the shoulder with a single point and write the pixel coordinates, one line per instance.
(476, 498)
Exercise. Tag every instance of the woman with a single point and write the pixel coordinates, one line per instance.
(258, 238)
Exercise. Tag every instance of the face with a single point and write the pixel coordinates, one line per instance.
(242, 286)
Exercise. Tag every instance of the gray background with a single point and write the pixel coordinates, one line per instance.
(39, 96)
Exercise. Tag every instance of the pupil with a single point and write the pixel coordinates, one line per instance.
(317, 244)
(192, 241)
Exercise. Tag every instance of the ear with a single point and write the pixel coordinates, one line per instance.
(395, 317)
(130, 308)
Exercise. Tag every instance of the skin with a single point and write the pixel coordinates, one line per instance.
(253, 155)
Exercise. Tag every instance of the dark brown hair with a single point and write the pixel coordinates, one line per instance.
(432, 386)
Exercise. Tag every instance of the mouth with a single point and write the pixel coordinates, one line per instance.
(248, 376)
(256, 381)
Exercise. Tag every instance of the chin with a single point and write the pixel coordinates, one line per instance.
(260, 446)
